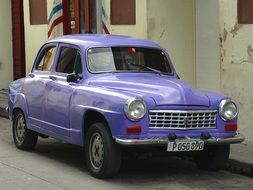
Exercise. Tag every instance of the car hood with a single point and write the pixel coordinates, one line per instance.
(165, 90)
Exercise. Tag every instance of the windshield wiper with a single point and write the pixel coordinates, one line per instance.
(149, 68)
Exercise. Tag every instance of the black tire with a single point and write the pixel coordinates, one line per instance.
(213, 158)
(24, 138)
(102, 153)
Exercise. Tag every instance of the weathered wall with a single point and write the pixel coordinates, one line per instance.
(35, 36)
(237, 63)
(6, 61)
(171, 24)
(137, 30)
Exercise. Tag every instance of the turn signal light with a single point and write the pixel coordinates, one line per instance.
(134, 129)
(231, 127)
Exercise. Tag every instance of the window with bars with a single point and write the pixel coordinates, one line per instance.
(244, 11)
(38, 12)
(123, 12)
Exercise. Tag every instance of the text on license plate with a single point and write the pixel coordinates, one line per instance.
(187, 145)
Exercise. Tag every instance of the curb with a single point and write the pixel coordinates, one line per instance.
(240, 167)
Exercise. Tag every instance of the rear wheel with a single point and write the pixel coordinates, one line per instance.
(24, 138)
(213, 158)
(103, 155)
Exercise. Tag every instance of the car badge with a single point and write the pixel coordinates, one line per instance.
(186, 121)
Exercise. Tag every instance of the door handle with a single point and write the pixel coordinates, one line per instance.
(52, 77)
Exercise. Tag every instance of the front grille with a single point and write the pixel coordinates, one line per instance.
(181, 119)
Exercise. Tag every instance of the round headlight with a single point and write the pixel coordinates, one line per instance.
(227, 110)
(135, 109)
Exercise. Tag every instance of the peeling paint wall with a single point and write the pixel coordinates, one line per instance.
(171, 24)
(236, 42)
(6, 61)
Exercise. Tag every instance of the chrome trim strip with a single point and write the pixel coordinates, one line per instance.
(164, 141)
(182, 111)
(178, 128)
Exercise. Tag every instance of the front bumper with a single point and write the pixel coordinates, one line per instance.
(164, 141)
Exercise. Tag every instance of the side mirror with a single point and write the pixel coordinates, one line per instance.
(72, 77)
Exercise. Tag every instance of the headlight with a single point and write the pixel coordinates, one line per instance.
(135, 109)
(227, 110)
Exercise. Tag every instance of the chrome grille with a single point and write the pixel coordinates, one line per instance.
(181, 119)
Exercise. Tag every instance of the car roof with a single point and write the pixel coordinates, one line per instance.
(104, 40)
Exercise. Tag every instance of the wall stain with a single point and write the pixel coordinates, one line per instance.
(225, 34)
(246, 61)
(250, 53)
(223, 38)
(162, 33)
(220, 38)
(235, 29)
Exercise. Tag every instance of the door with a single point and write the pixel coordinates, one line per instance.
(82, 16)
(36, 82)
(59, 91)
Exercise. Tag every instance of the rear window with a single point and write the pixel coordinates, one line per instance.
(128, 59)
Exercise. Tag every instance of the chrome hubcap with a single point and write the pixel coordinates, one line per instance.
(20, 128)
(96, 151)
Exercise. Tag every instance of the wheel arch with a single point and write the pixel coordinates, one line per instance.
(93, 116)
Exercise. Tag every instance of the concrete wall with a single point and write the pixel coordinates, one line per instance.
(138, 30)
(6, 61)
(237, 63)
(171, 24)
(35, 36)
(207, 45)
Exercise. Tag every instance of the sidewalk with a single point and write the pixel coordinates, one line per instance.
(241, 155)
(241, 158)
(3, 103)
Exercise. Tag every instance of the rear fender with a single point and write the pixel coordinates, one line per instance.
(17, 101)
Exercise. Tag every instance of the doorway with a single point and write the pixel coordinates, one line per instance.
(82, 16)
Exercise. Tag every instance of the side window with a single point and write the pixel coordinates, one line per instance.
(78, 64)
(46, 60)
(69, 61)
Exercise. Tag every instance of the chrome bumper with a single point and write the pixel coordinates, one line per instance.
(164, 141)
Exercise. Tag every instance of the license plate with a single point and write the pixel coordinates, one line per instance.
(185, 145)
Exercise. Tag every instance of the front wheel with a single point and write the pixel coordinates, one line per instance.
(103, 155)
(213, 158)
(24, 138)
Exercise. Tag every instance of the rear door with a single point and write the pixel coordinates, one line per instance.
(59, 91)
(34, 88)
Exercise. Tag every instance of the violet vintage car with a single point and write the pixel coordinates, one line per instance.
(109, 92)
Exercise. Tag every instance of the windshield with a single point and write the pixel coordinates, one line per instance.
(129, 59)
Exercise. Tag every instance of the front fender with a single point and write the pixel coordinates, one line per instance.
(77, 120)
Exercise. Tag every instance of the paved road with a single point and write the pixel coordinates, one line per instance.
(56, 165)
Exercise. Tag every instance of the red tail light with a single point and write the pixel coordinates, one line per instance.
(231, 127)
(134, 129)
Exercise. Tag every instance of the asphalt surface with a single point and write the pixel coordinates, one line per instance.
(57, 165)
